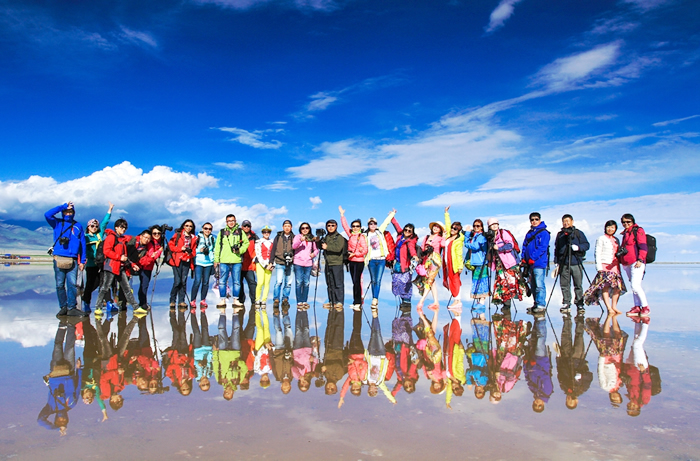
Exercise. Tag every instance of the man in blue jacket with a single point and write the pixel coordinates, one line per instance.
(535, 255)
(69, 255)
(570, 247)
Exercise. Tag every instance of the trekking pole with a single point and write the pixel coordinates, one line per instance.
(318, 274)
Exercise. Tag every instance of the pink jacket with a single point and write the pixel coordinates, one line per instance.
(304, 362)
(357, 243)
(304, 252)
(636, 246)
(505, 250)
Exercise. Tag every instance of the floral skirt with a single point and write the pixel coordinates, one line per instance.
(508, 284)
(607, 345)
(480, 282)
(401, 285)
(432, 264)
(603, 281)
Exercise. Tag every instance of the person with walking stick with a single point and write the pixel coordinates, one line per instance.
(570, 247)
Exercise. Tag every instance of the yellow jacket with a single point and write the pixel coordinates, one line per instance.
(457, 248)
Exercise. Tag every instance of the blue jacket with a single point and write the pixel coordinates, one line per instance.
(477, 243)
(535, 248)
(69, 228)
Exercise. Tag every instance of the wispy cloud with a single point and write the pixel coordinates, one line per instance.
(278, 186)
(315, 202)
(231, 165)
(252, 138)
(675, 121)
(500, 15)
(321, 100)
(139, 37)
(319, 5)
(646, 5)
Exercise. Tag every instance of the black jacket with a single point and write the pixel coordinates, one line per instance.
(566, 237)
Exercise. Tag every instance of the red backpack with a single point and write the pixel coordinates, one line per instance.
(390, 246)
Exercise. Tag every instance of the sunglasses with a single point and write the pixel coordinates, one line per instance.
(206, 228)
(92, 225)
(305, 228)
(478, 225)
(355, 225)
(187, 225)
(371, 222)
(456, 228)
(155, 233)
(625, 221)
(534, 219)
(332, 225)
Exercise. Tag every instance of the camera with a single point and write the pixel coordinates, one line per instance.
(205, 251)
(428, 250)
(64, 241)
(490, 234)
(165, 227)
(288, 257)
(188, 251)
(236, 248)
(621, 252)
(320, 235)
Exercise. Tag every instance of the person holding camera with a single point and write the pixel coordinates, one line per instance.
(570, 247)
(231, 243)
(282, 261)
(305, 250)
(335, 247)
(357, 249)
(535, 256)
(633, 257)
(68, 251)
(117, 266)
(608, 282)
(203, 266)
(183, 247)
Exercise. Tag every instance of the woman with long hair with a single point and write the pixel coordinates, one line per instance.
(431, 263)
(183, 247)
(404, 255)
(305, 251)
(453, 260)
(204, 265)
(357, 249)
(476, 243)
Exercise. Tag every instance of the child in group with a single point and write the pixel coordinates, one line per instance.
(263, 267)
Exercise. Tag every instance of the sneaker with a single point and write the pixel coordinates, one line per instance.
(86, 307)
(221, 304)
(63, 312)
(634, 312)
(339, 306)
(237, 303)
(75, 312)
(172, 305)
(327, 305)
(285, 303)
(98, 311)
(140, 312)
(276, 304)
(193, 304)
(537, 311)
(375, 302)
(113, 308)
(356, 307)
(580, 311)
(182, 305)
(644, 312)
(565, 309)
(275, 311)
(203, 305)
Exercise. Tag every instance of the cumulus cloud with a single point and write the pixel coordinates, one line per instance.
(500, 15)
(161, 194)
(253, 138)
(315, 202)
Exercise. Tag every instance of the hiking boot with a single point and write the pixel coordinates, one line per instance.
(275, 311)
(221, 304)
(172, 305)
(565, 309)
(339, 306)
(62, 312)
(285, 304)
(276, 304)
(634, 312)
(537, 311)
(644, 312)
(75, 312)
(237, 303)
(327, 305)
(580, 311)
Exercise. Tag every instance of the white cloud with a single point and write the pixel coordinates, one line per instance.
(253, 138)
(315, 202)
(138, 37)
(675, 121)
(503, 11)
(278, 186)
(155, 196)
(646, 5)
(231, 166)
(566, 73)
(320, 5)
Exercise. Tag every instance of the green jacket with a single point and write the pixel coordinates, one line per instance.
(228, 366)
(336, 250)
(227, 239)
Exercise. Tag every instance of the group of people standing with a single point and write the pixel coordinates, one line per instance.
(110, 259)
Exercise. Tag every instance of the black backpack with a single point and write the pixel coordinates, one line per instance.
(651, 246)
(100, 254)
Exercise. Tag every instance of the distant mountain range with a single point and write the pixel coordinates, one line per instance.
(17, 239)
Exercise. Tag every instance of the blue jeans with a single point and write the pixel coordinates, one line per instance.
(301, 333)
(376, 343)
(540, 292)
(376, 270)
(224, 271)
(202, 274)
(65, 286)
(283, 340)
(283, 274)
(233, 342)
(179, 289)
(302, 275)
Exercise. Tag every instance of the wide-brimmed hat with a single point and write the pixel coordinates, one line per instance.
(436, 223)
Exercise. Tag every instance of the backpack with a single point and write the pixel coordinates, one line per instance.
(516, 247)
(390, 246)
(651, 246)
(100, 254)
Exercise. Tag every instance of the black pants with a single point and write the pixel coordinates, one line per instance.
(335, 284)
(92, 282)
(200, 337)
(335, 330)
(249, 277)
(356, 346)
(356, 269)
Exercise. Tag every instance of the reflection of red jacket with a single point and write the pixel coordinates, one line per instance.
(452, 333)
(179, 367)
(114, 248)
(639, 386)
(111, 381)
(247, 348)
(177, 256)
(148, 365)
(249, 255)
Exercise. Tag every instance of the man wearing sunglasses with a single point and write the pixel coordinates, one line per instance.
(535, 256)
(335, 248)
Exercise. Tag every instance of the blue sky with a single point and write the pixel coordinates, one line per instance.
(274, 109)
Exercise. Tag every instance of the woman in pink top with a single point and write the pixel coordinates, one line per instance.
(305, 250)
(304, 360)
(357, 250)
(431, 246)
(608, 282)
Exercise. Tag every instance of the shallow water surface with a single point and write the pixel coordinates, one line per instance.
(621, 412)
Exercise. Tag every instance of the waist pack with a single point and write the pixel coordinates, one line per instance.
(64, 262)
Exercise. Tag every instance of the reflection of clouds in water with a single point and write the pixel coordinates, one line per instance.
(20, 279)
(26, 326)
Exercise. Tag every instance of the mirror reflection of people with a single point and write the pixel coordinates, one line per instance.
(477, 356)
(282, 351)
(379, 364)
(454, 354)
(405, 352)
(538, 366)
(431, 352)
(641, 379)
(610, 341)
(92, 369)
(507, 356)
(572, 368)
(334, 362)
(357, 363)
(178, 359)
(229, 367)
(304, 359)
(63, 380)
(202, 350)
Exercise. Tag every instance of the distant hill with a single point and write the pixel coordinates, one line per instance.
(17, 239)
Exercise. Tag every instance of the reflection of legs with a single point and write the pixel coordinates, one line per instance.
(376, 343)
(335, 337)
(579, 351)
(566, 340)
(196, 332)
(144, 338)
(125, 335)
(288, 335)
(301, 333)
(263, 328)
(279, 337)
(223, 337)
(540, 329)
(356, 346)
(235, 339)
(104, 348)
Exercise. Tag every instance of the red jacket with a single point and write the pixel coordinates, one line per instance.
(179, 367)
(153, 251)
(114, 248)
(111, 381)
(635, 240)
(249, 255)
(177, 255)
(408, 248)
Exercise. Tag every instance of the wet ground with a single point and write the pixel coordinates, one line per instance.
(652, 414)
